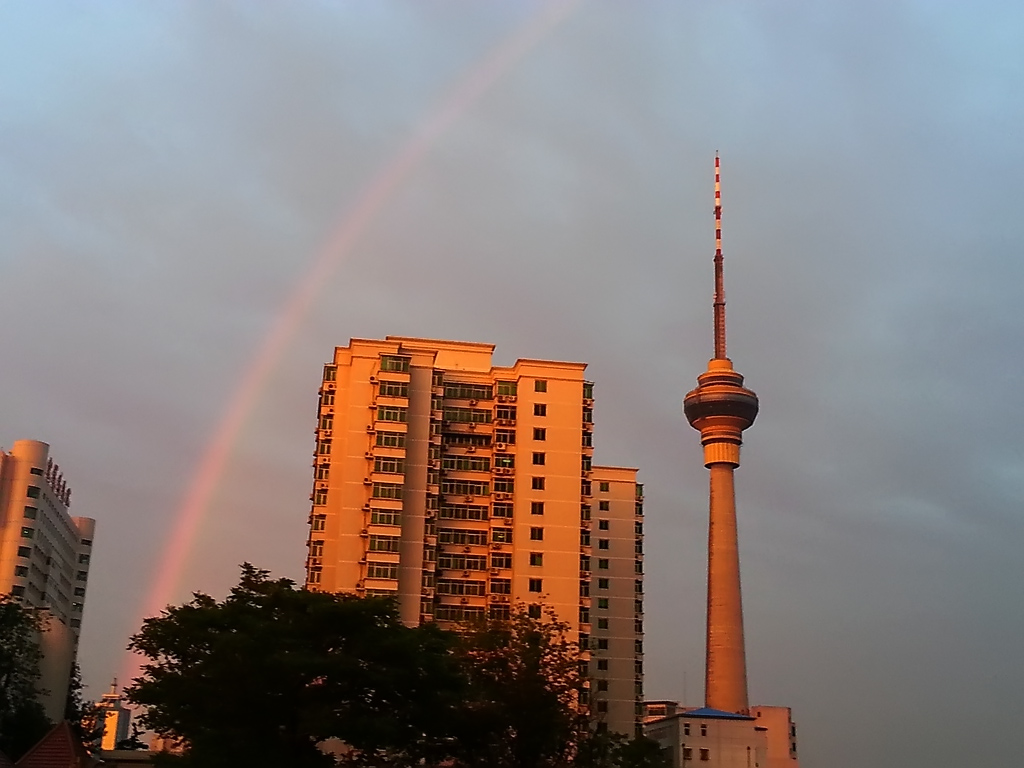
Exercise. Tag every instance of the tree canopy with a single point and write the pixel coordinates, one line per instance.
(22, 719)
(264, 676)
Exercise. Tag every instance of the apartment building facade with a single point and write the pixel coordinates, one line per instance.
(461, 489)
(44, 557)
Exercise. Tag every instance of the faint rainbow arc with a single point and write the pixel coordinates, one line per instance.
(377, 193)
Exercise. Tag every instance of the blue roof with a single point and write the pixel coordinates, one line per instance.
(708, 713)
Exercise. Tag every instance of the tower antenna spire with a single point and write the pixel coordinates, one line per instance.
(719, 276)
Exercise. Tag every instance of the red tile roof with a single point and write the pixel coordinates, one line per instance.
(60, 748)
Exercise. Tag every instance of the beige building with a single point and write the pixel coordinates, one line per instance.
(462, 488)
(764, 738)
(44, 557)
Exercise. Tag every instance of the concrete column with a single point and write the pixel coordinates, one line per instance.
(414, 496)
(726, 670)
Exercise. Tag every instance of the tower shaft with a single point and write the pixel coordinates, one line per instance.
(721, 408)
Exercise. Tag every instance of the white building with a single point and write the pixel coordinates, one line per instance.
(44, 558)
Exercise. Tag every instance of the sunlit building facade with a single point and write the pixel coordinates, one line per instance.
(462, 488)
(44, 557)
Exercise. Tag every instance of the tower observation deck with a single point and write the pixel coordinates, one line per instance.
(720, 408)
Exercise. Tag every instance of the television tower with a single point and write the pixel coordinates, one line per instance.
(721, 408)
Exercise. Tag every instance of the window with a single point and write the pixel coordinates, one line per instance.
(504, 485)
(86, 542)
(467, 415)
(391, 439)
(83, 559)
(603, 543)
(319, 522)
(588, 415)
(639, 509)
(602, 603)
(387, 491)
(539, 433)
(638, 606)
(462, 562)
(21, 570)
(502, 509)
(584, 641)
(536, 534)
(605, 487)
(501, 586)
(584, 511)
(384, 543)
(540, 385)
(638, 566)
(540, 409)
(460, 587)
(36, 471)
(465, 488)
(316, 549)
(27, 533)
(501, 535)
(392, 413)
(604, 506)
(536, 558)
(638, 668)
(705, 753)
(703, 729)
(602, 583)
(505, 460)
(584, 588)
(394, 389)
(32, 492)
(533, 611)
(638, 528)
(584, 537)
(588, 440)
(602, 565)
(30, 513)
(687, 753)
(602, 643)
(584, 487)
(389, 465)
(638, 626)
(501, 560)
(505, 412)
(81, 576)
(536, 585)
(468, 391)
(586, 463)
(506, 436)
(588, 390)
(458, 613)
(462, 536)
(24, 551)
(585, 563)
(638, 646)
(602, 707)
(323, 472)
(537, 483)
(394, 363)
(500, 612)
(602, 623)
(320, 497)
(463, 512)
(602, 524)
(327, 422)
(602, 685)
(327, 398)
(536, 507)
(466, 463)
(330, 372)
(17, 590)
(602, 664)
(538, 459)
(79, 591)
(506, 388)
(638, 586)
(382, 570)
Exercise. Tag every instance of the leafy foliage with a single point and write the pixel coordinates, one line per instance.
(260, 678)
(22, 719)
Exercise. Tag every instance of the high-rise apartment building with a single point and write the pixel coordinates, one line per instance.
(462, 488)
(44, 557)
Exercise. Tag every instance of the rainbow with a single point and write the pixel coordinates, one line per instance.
(374, 197)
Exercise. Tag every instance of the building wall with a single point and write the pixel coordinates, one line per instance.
(462, 488)
(44, 556)
(781, 735)
(710, 742)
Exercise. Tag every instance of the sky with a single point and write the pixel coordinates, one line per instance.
(171, 172)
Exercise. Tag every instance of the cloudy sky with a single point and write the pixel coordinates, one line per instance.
(538, 175)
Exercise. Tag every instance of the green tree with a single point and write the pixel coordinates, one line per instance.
(22, 719)
(262, 677)
(81, 714)
(523, 705)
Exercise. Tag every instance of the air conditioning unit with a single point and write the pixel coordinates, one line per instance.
(362, 561)
(469, 499)
(464, 600)
(500, 446)
(495, 571)
(472, 402)
(496, 545)
(367, 481)
(330, 385)
(467, 549)
(359, 585)
(465, 574)
(326, 432)
(503, 599)
(502, 398)
(472, 425)
(369, 428)
(366, 507)
(471, 449)
(364, 533)
(373, 379)
(368, 454)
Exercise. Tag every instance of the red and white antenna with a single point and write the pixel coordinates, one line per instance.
(719, 278)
